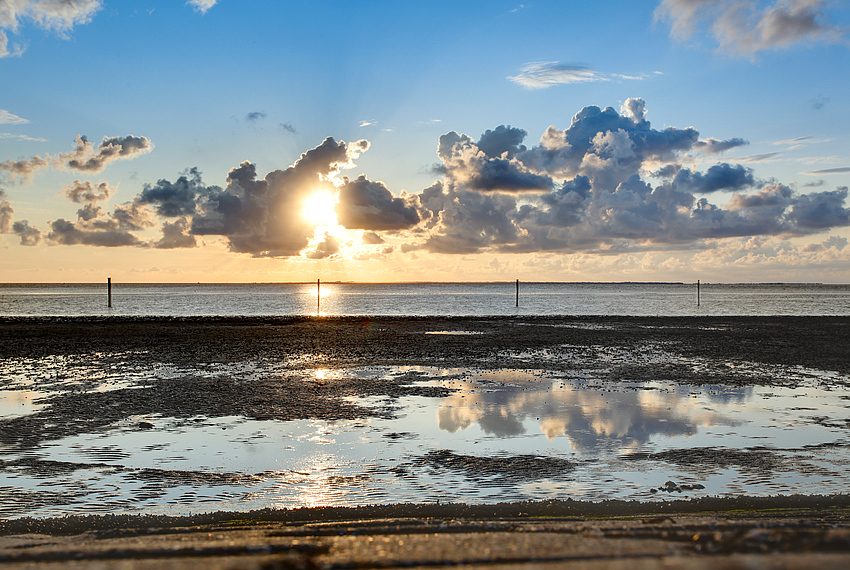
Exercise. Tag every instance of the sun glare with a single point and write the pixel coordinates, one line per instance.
(319, 208)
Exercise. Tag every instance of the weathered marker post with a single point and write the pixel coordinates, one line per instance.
(697, 292)
(109, 292)
(517, 292)
(318, 297)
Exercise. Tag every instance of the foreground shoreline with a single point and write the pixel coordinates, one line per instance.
(766, 532)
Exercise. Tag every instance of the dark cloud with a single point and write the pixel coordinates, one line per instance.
(715, 146)
(255, 116)
(718, 177)
(288, 128)
(502, 142)
(28, 234)
(174, 199)
(87, 192)
(367, 205)
(820, 211)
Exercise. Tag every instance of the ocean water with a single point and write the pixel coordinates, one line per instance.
(424, 299)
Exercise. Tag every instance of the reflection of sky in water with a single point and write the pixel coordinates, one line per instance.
(586, 417)
(232, 463)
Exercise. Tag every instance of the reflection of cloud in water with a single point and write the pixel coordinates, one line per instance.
(587, 417)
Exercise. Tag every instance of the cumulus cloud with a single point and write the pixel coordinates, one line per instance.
(173, 199)
(604, 204)
(718, 177)
(367, 205)
(264, 218)
(607, 183)
(489, 164)
(747, 27)
(176, 235)
(86, 157)
(59, 16)
(87, 191)
(202, 6)
(28, 234)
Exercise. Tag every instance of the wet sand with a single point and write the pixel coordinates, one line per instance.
(595, 534)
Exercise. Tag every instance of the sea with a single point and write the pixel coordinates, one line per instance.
(424, 299)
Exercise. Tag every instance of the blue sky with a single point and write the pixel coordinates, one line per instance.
(724, 155)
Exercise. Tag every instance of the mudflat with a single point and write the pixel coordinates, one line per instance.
(796, 531)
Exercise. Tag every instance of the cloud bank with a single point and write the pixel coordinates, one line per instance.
(608, 183)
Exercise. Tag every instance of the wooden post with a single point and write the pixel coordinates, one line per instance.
(318, 297)
(109, 292)
(697, 292)
(517, 292)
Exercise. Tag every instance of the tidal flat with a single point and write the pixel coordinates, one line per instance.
(180, 416)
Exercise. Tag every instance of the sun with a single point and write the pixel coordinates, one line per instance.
(319, 208)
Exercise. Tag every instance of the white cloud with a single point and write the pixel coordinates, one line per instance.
(58, 16)
(202, 5)
(54, 15)
(21, 137)
(8, 118)
(543, 74)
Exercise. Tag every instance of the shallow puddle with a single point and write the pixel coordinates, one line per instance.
(488, 436)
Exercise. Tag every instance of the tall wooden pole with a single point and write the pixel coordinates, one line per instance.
(109, 292)
(697, 292)
(517, 292)
(318, 297)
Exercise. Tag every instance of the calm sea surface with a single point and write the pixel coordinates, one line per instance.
(431, 299)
